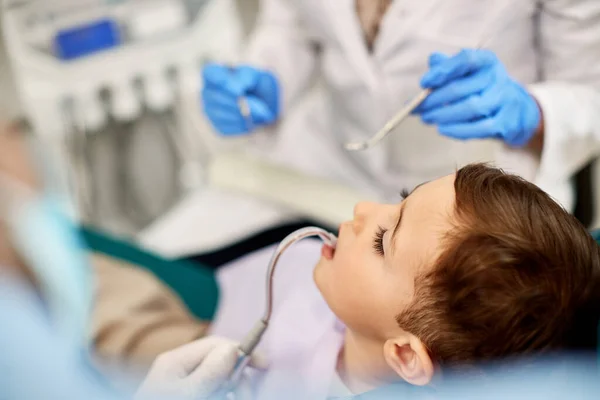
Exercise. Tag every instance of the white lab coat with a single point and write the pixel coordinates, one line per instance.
(551, 45)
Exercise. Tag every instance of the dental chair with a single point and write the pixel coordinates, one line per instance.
(243, 196)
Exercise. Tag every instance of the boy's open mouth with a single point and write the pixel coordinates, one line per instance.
(328, 252)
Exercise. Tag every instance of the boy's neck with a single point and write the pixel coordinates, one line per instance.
(361, 364)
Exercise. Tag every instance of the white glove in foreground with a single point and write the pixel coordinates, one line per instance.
(194, 370)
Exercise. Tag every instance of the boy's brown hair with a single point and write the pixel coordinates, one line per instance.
(519, 276)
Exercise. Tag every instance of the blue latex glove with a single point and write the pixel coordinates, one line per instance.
(223, 88)
(474, 98)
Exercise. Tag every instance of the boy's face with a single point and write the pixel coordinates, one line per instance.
(367, 284)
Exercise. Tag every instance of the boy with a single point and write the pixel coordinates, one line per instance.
(473, 267)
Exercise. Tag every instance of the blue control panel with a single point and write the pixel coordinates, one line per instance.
(84, 40)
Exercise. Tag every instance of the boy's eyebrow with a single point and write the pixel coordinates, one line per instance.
(402, 208)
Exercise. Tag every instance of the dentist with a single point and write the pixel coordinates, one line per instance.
(529, 101)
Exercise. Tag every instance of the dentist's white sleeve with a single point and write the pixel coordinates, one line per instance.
(281, 43)
(571, 137)
(569, 94)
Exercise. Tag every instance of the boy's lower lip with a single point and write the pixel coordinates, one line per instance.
(327, 252)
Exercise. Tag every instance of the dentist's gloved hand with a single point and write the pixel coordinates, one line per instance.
(473, 97)
(223, 88)
(194, 371)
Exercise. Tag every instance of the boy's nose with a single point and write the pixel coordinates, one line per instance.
(364, 208)
(362, 211)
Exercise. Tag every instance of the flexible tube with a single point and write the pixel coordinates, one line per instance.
(253, 337)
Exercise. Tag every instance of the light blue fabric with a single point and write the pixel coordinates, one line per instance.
(51, 246)
(474, 97)
(556, 378)
(35, 361)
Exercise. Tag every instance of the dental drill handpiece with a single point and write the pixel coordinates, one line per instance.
(255, 335)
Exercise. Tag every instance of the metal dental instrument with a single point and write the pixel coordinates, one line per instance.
(410, 106)
(244, 108)
(255, 335)
(390, 125)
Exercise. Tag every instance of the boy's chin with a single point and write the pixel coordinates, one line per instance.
(321, 275)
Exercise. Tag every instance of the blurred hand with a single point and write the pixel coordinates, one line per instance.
(473, 97)
(15, 161)
(195, 370)
(16, 166)
(223, 88)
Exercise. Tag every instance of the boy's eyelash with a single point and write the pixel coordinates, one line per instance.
(378, 241)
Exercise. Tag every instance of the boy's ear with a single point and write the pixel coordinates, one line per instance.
(409, 358)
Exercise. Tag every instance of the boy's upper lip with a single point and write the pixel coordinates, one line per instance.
(339, 233)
